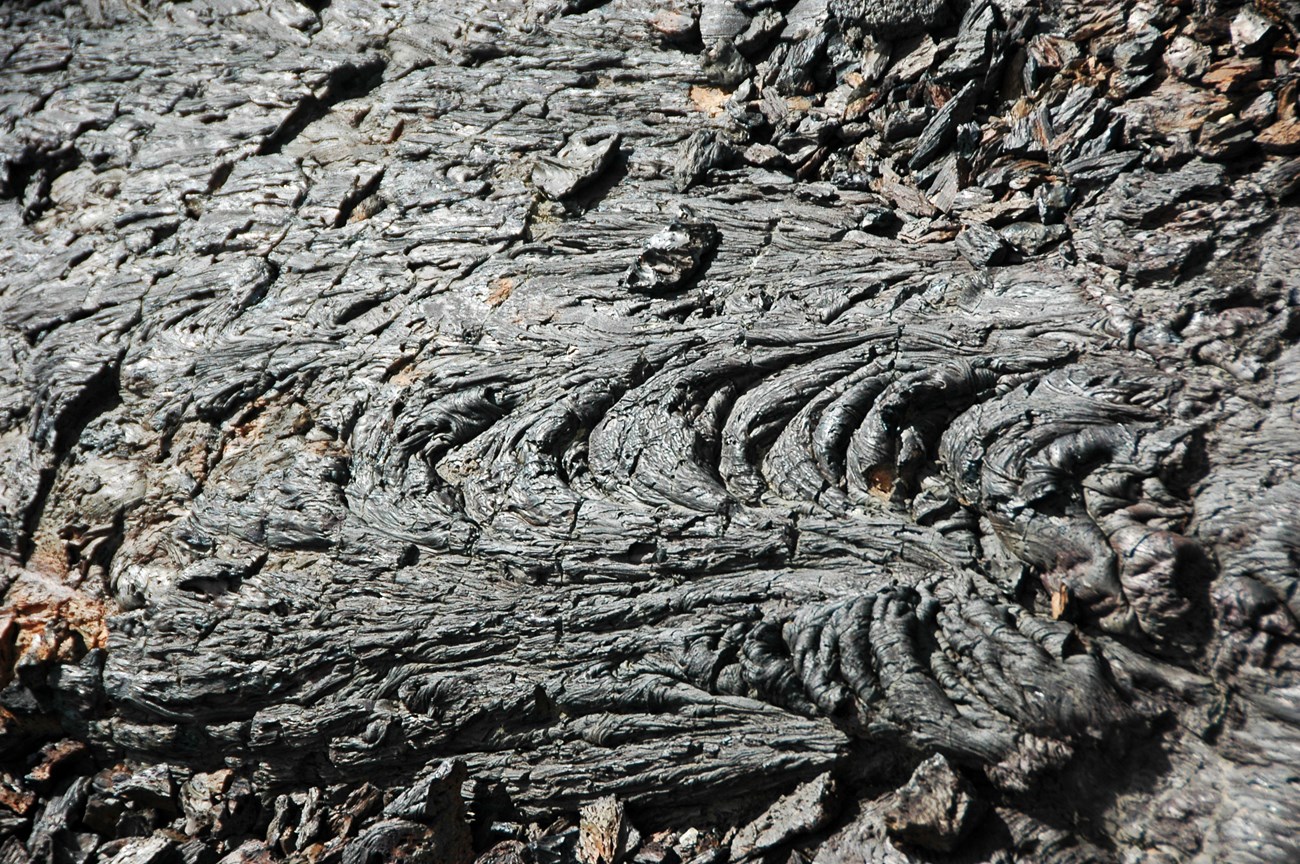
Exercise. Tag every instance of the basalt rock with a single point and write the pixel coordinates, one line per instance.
(424, 424)
(892, 18)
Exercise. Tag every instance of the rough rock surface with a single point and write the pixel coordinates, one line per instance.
(935, 809)
(676, 404)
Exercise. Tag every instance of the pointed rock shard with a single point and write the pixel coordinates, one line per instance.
(575, 166)
(703, 151)
(935, 809)
(605, 836)
(806, 809)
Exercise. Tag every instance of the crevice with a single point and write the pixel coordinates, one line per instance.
(30, 177)
(346, 82)
(98, 396)
(356, 197)
(101, 394)
(219, 177)
(579, 7)
(359, 308)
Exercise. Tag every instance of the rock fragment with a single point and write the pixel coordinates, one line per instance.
(605, 836)
(147, 850)
(809, 807)
(249, 852)
(656, 852)
(702, 152)
(57, 761)
(152, 786)
(941, 131)
(506, 852)
(1187, 58)
(891, 18)
(434, 803)
(976, 47)
(53, 832)
(721, 20)
(672, 258)
(576, 166)
(935, 809)
(202, 799)
(1282, 137)
(1252, 33)
(982, 246)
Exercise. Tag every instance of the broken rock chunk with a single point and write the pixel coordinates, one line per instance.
(57, 759)
(403, 840)
(982, 246)
(672, 257)
(153, 786)
(575, 166)
(935, 809)
(1252, 33)
(721, 20)
(147, 850)
(506, 852)
(1282, 137)
(1188, 59)
(891, 18)
(941, 131)
(605, 836)
(806, 809)
(201, 799)
(702, 152)
(1032, 237)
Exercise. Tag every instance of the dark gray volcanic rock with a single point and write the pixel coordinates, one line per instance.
(892, 18)
(717, 406)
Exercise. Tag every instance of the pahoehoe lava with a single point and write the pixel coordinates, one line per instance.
(832, 430)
